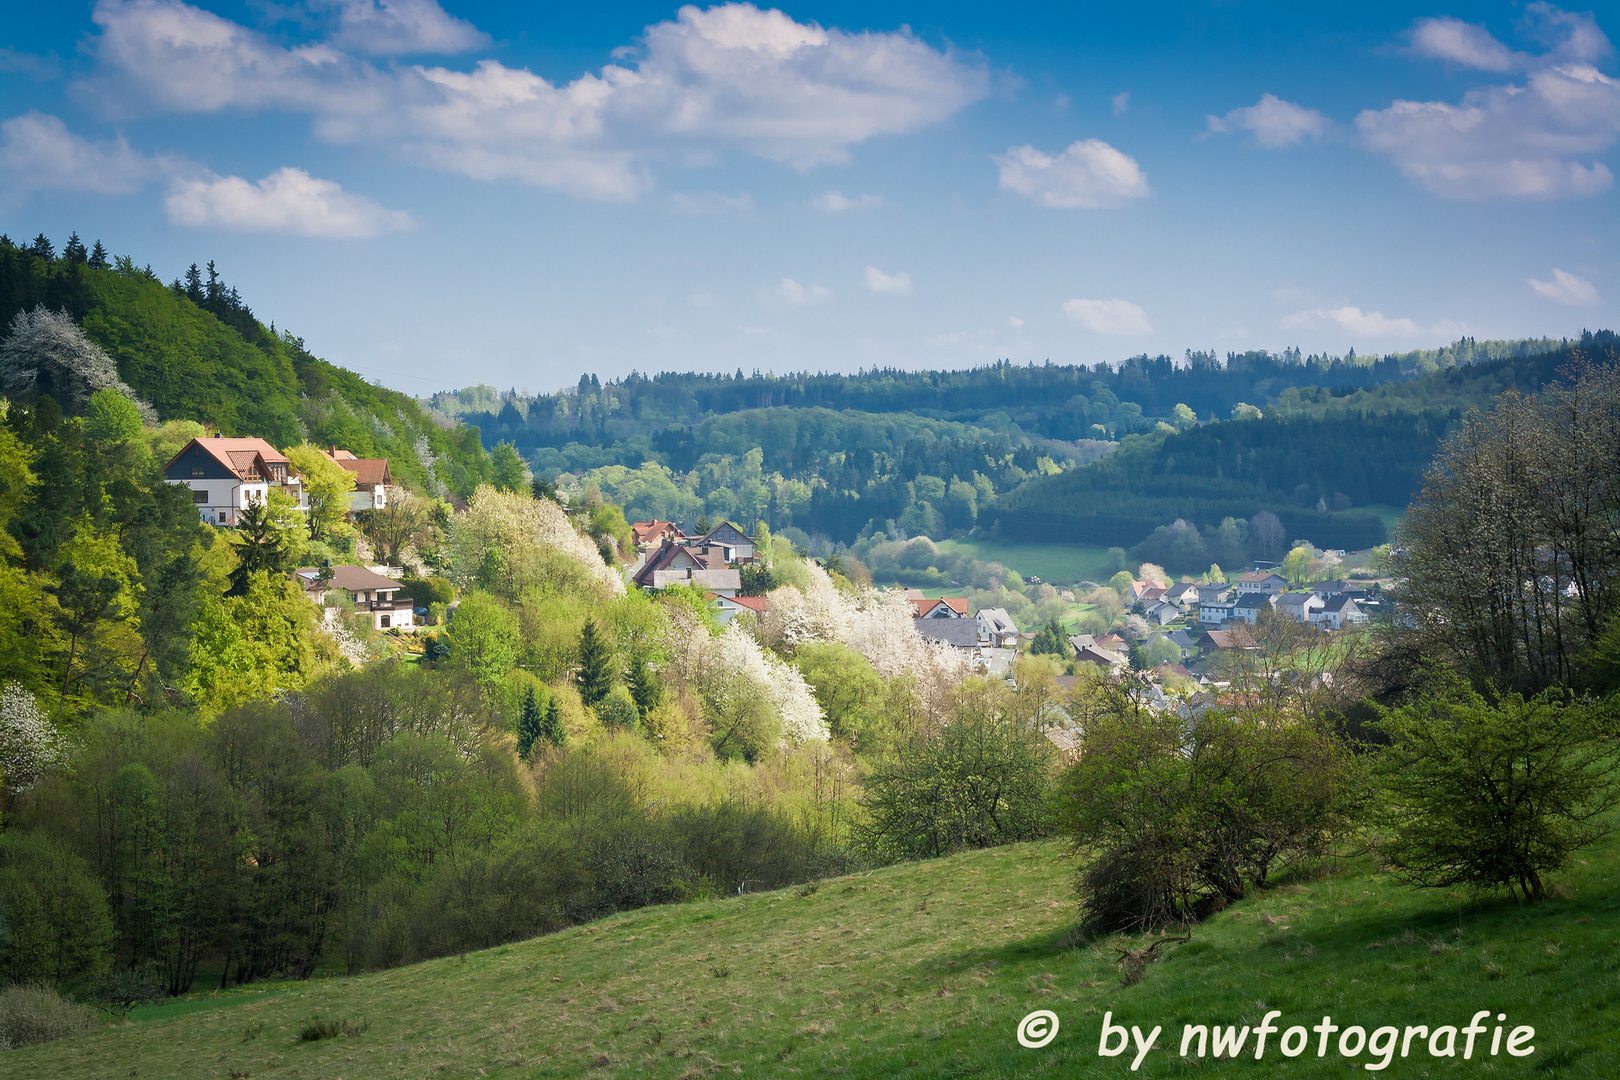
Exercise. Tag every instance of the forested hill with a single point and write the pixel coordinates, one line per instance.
(195, 351)
(1055, 401)
(1314, 458)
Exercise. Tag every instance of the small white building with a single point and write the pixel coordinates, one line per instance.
(372, 594)
(997, 627)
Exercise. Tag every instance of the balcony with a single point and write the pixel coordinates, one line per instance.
(403, 603)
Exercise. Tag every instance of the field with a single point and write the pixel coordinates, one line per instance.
(1060, 564)
(924, 971)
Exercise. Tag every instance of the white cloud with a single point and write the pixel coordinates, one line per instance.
(1114, 317)
(792, 292)
(39, 153)
(1463, 43)
(1014, 321)
(731, 76)
(1566, 288)
(1535, 139)
(1088, 175)
(1272, 121)
(1121, 102)
(836, 202)
(401, 27)
(40, 68)
(1369, 324)
(879, 282)
(287, 201)
(712, 202)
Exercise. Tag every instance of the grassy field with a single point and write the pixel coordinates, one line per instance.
(1059, 564)
(924, 971)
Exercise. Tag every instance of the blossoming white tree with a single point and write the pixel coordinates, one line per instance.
(29, 743)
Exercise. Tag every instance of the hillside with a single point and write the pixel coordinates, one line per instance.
(920, 970)
(1317, 455)
(196, 351)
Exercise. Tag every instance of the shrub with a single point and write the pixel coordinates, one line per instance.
(35, 1013)
(618, 709)
(56, 921)
(317, 1028)
(1486, 796)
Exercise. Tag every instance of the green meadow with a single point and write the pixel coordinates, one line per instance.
(924, 970)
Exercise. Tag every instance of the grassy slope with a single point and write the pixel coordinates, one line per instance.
(923, 971)
(1061, 564)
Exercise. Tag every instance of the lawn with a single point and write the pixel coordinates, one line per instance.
(1060, 564)
(924, 971)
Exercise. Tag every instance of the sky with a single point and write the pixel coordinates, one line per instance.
(437, 195)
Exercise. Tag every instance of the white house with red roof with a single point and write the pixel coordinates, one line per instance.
(729, 607)
(227, 475)
(373, 594)
(371, 479)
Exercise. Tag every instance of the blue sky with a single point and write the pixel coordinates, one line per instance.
(518, 193)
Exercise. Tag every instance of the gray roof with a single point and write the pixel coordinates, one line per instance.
(999, 620)
(1296, 599)
(1340, 602)
(1254, 600)
(350, 578)
(962, 633)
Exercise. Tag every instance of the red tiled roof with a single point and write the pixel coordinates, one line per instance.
(644, 531)
(758, 604)
(237, 455)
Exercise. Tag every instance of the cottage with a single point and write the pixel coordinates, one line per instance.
(371, 593)
(731, 543)
(1110, 661)
(997, 627)
(1161, 612)
(226, 476)
(1214, 594)
(1233, 637)
(1081, 641)
(371, 479)
(1182, 595)
(1215, 612)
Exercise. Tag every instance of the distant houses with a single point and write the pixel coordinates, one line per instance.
(226, 476)
(710, 562)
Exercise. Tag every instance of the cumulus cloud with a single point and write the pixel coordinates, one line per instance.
(287, 201)
(1368, 324)
(1088, 175)
(1120, 102)
(400, 27)
(836, 202)
(39, 153)
(1533, 139)
(879, 282)
(731, 76)
(790, 291)
(1272, 121)
(1566, 288)
(1114, 317)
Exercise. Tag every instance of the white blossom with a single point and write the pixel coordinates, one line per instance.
(29, 743)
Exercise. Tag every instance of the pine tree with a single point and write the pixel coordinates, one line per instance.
(41, 248)
(212, 291)
(530, 725)
(73, 251)
(98, 257)
(194, 287)
(595, 665)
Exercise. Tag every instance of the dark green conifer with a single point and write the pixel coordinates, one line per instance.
(595, 665)
(530, 725)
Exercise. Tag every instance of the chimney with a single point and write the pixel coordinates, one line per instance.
(334, 451)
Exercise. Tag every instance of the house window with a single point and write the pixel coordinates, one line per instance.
(383, 621)
(199, 495)
(196, 472)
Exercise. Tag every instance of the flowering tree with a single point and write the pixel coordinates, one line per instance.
(29, 743)
(507, 541)
(47, 353)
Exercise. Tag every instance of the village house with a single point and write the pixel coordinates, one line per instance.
(647, 534)
(371, 480)
(1262, 581)
(372, 594)
(1338, 612)
(1299, 606)
(729, 542)
(946, 607)
(1110, 661)
(1246, 607)
(729, 607)
(1183, 595)
(226, 476)
(997, 627)
(675, 563)
(957, 633)
(1161, 612)
(1215, 612)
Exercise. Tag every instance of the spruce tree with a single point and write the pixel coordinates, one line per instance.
(644, 686)
(98, 257)
(73, 251)
(551, 728)
(595, 665)
(194, 286)
(530, 725)
(41, 248)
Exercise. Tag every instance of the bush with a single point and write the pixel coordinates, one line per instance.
(978, 780)
(618, 709)
(317, 1028)
(1181, 817)
(35, 1013)
(1488, 796)
(56, 921)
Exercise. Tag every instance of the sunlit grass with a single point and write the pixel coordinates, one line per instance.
(919, 971)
